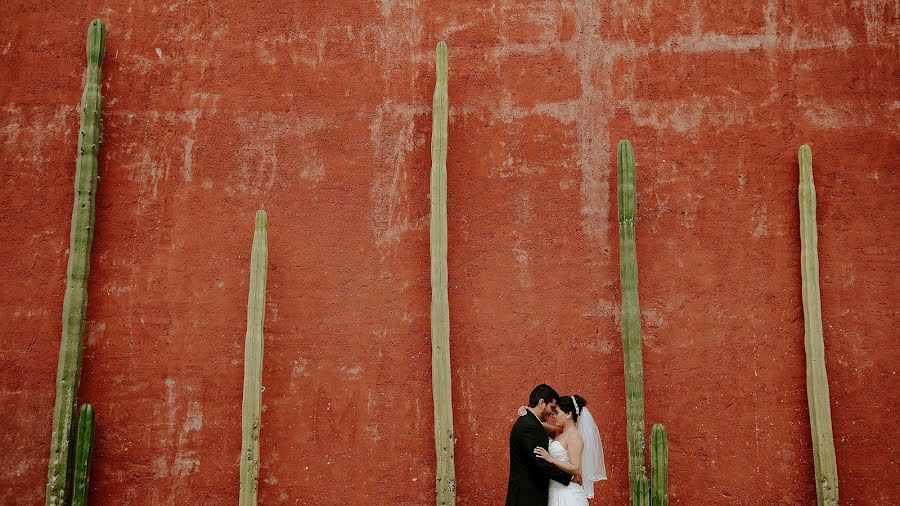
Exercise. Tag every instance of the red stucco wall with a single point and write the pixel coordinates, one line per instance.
(321, 115)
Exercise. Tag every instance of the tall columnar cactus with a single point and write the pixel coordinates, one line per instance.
(81, 235)
(84, 449)
(659, 466)
(631, 319)
(816, 378)
(631, 328)
(253, 355)
(440, 312)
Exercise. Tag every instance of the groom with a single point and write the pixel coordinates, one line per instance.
(529, 476)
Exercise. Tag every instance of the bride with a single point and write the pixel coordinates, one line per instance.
(576, 449)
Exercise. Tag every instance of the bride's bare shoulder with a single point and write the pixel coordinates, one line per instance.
(567, 438)
(577, 440)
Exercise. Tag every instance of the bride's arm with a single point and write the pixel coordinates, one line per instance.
(574, 467)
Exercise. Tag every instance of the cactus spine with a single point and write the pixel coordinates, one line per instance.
(253, 354)
(659, 466)
(631, 331)
(816, 377)
(84, 449)
(71, 348)
(440, 311)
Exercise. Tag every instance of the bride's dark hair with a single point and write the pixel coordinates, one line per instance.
(566, 405)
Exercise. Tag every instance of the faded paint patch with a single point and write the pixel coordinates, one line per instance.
(188, 147)
(604, 309)
(593, 117)
(875, 12)
(147, 164)
(27, 130)
(314, 172)
(352, 372)
(604, 346)
(302, 47)
(259, 163)
(681, 116)
(183, 420)
(392, 138)
(836, 116)
(651, 317)
(760, 229)
(298, 373)
(524, 218)
(95, 330)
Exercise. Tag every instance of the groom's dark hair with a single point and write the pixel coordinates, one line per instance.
(542, 391)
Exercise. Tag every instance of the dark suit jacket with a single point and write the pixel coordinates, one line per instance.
(529, 476)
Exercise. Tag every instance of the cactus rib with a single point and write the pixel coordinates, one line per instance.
(84, 449)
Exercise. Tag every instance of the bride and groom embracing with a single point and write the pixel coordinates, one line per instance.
(557, 472)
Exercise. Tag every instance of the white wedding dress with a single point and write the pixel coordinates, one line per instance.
(560, 495)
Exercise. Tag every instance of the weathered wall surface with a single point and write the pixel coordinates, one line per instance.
(321, 115)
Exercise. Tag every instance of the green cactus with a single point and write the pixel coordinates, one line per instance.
(253, 355)
(816, 377)
(440, 311)
(631, 331)
(631, 321)
(659, 466)
(84, 449)
(71, 348)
